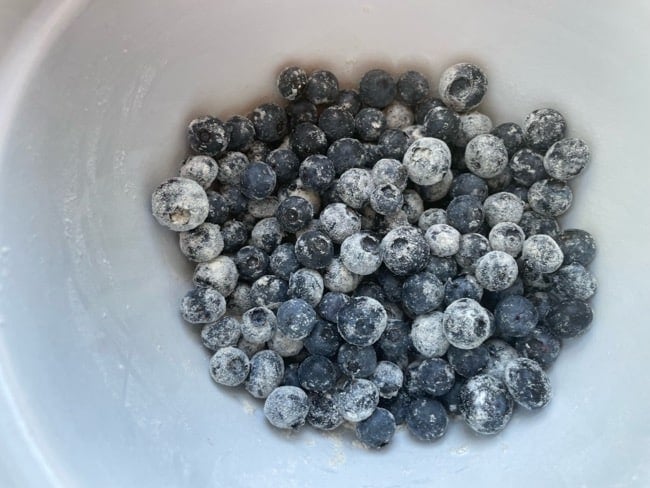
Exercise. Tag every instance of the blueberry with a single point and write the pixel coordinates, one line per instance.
(294, 213)
(394, 342)
(441, 123)
(443, 240)
(204, 243)
(404, 250)
(258, 181)
(240, 299)
(442, 268)
(301, 111)
(283, 261)
(377, 430)
(388, 377)
(251, 262)
(237, 203)
(389, 171)
(377, 88)
(330, 304)
(346, 154)
(424, 106)
(463, 286)
(208, 135)
(567, 158)
(471, 125)
(202, 169)
(306, 284)
(249, 348)
(339, 222)
(314, 249)
(307, 139)
(338, 278)
(486, 156)
(234, 234)
(317, 373)
(542, 254)
(427, 160)
(412, 87)
(323, 412)
(469, 184)
(354, 187)
(386, 199)
(258, 325)
(468, 362)
(290, 377)
(317, 172)
(202, 305)
(286, 407)
(550, 197)
(515, 316)
(398, 116)
(336, 122)
(426, 419)
(355, 361)
(218, 212)
(462, 86)
(297, 189)
(229, 366)
(268, 291)
(393, 143)
(543, 302)
(241, 131)
(540, 346)
(574, 281)
(507, 237)
(543, 127)
(220, 273)
(357, 400)
(432, 216)
(500, 353)
(578, 246)
(296, 318)
(527, 167)
(258, 151)
(372, 290)
(180, 204)
(324, 339)
(428, 336)
(224, 332)
(486, 404)
(232, 166)
(413, 206)
(284, 163)
(369, 124)
(472, 247)
(465, 213)
(284, 345)
(503, 207)
(349, 100)
(533, 223)
(492, 298)
(362, 321)
(322, 87)
(291, 83)
(527, 383)
(422, 293)
(496, 270)
(512, 136)
(466, 324)
(267, 234)
(266, 373)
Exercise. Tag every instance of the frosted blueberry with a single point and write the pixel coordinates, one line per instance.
(527, 383)
(496, 270)
(266, 373)
(229, 366)
(427, 160)
(404, 250)
(362, 321)
(567, 158)
(220, 273)
(357, 400)
(443, 240)
(339, 221)
(471, 125)
(388, 377)
(291, 83)
(574, 281)
(296, 318)
(204, 243)
(360, 253)
(338, 278)
(306, 284)
(224, 332)
(202, 305)
(377, 430)
(462, 86)
(466, 324)
(286, 407)
(428, 335)
(180, 204)
(486, 404)
(542, 254)
(507, 237)
(543, 127)
(486, 156)
(354, 187)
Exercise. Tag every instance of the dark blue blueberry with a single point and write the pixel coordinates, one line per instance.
(270, 122)
(208, 135)
(377, 430)
(301, 111)
(324, 339)
(356, 362)
(464, 286)
(285, 164)
(323, 412)
(550, 198)
(258, 181)
(422, 293)
(472, 247)
(519, 191)
(314, 249)
(492, 298)
(234, 235)
(317, 172)
(336, 122)
(267, 234)
(577, 245)
(412, 384)
(330, 304)
(322, 87)
(540, 345)
(468, 362)
(527, 383)
(569, 318)
(373, 153)
(404, 250)
(362, 321)
(294, 214)
(291, 375)
(306, 284)
(426, 419)
(393, 143)
(398, 406)
(372, 290)
(527, 167)
(469, 184)
(465, 213)
(543, 301)
(307, 139)
(283, 261)
(292, 81)
(269, 291)
(219, 211)
(317, 373)
(236, 201)
(346, 154)
(390, 283)
(412, 87)
(296, 318)
(515, 316)
(423, 107)
(451, 399)
(442, 268)
(258, 151)
(377, 88)
(251, 262)
(242, 133)
(512, 136)
(436, 376)
(533, 223)
(395, 341)
(441, 123)
(349, 100)
(369, 123)
(543, 127)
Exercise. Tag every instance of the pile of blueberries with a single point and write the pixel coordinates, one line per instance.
(380, 256)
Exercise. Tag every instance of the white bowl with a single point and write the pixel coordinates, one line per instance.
(102, 384)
